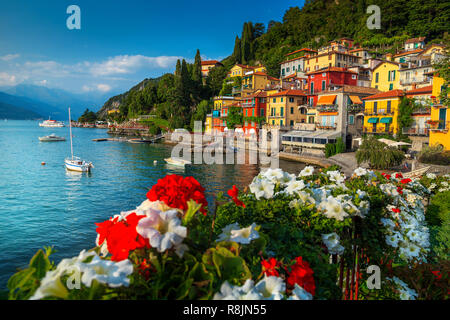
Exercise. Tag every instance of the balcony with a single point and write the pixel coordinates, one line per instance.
(416, 131)
(328, 108)
(355, 108)
(379, 112)
(439, 125)
(327, 126)
(378, 130)
(423, 110)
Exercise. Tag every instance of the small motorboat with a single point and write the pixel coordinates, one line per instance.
(177, 162)
(51, 138)
(139, 141)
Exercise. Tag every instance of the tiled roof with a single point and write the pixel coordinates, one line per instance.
(356, 89)
(300, 50)
(418, 91)
(412, 40)
(387, 94)
(405, 53)
(332, 69)
(209, 62)
(288, 92)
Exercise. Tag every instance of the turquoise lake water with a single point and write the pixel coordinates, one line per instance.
(47, 205)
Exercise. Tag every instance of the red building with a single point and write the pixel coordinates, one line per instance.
(328, 79)
(253, 106)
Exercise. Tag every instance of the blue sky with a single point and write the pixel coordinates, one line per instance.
(120, 42)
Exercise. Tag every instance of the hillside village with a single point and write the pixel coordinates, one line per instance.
(340, 90)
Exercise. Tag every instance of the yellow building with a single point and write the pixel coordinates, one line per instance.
(113, 111)
(222, 101)
(381, 112)
(440, 117)
(386, 77)
(330, 59)
(286, 108)
(256, 81)
(208, 123)
(239, 70)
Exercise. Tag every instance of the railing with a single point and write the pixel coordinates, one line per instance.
(328, 108)
(439, 126)
(377, 130)
(381, 112)
(355, 108)
(331, 126)
(422, 111)
(416, 131)
(305, 126)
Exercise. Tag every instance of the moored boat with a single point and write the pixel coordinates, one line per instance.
(177, 162)
(51, 138)
(51, 124)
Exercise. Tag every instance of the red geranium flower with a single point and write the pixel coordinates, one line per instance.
(396, 210)
(233, 193)
(270, 267)
(398, 175)
(302, 275)
(387, 176)
(438, 274)
(400, 190)
(121, 236)
(404, 181)
(176, 191)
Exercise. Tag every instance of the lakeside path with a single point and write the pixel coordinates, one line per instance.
(346, 161)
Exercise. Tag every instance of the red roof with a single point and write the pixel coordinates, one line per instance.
(413, 40)
(289, 92)
(332, 69)
(404, 53)
(209, 62)
(418, 91)
(300, 50)
(387, 94)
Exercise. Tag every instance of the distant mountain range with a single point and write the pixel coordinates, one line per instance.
(8, 111)
(43, 102)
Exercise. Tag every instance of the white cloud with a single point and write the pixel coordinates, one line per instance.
(7, 79)
(126, 64)
(9, 57)
(103, 87)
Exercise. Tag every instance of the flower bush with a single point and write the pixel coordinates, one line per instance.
(286, 236)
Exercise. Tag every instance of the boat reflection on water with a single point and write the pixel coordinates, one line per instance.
(76, 175)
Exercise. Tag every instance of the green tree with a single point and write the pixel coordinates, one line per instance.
(88, 116)
(215, 78)
(378, 154)
(234, 117)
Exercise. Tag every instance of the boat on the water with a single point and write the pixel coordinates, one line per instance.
(139, 141)
(51, 138)
(51, 124)
(75, 163)
(177, 162)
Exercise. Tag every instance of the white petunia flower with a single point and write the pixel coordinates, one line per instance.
(331, 240)
(231, 292)
(336, 176)
(294, 186)
(271, 288)
(226, 232)
(307, 171)
(300, 294)
(114, 274)
(163, 229)
(333, 209)
(244, 235)
(431, 176)
(274, 175)
(262, 189)
(360, 172)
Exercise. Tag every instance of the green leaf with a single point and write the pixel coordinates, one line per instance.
(21, 278)
(193, 207)
(41, 263)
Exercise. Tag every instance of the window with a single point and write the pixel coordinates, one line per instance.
(273, 122)
(281, 112)
(388, 107)
(354, 76)
(281, 122)
(292, 110)
(311, 101)
(291, 99)
(393, 75)
(351, 119)
(312, 87)
(282, 71)
(274, 100)
(253, 112)
(324, 74)
(291, 123)
(312, 76)
(375, 105)
(377, 75)
(324, 84)
(389, 76)
(261, 112)
(281, 99)
(391, 86)
(287, 70)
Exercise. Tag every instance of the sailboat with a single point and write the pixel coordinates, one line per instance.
(75, 163)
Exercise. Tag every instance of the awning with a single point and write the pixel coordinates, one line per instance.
(356, 100)
(386, 120)
(326, 100)
(372, 120)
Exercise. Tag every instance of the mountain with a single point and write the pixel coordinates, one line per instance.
(58, 99)
(9, 111)
(115, 101)
(36, 109)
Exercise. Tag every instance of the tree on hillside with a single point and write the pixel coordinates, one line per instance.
(234, 117)
(237, 51)
(88, 116)
(215, 79)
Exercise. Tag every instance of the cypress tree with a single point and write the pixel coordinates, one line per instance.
(237, 50)
(178, 68)
(197, 69)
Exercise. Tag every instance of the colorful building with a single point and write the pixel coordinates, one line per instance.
(328, 78)
(220, 104)
(440, 116)
(295, 62)
(207, 65)
(239, 70)
(286, 108)
(414, 43)
(386, 77)
(255, 80)
(330, 59)
(381, 112)
(253, 107)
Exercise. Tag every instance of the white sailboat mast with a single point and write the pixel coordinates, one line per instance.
(70, 128)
